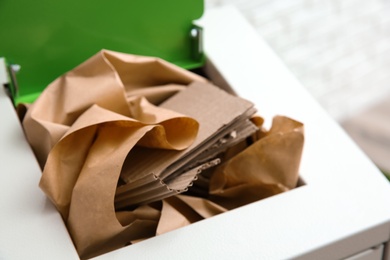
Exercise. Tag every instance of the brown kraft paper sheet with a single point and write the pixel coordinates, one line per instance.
(87, 121)
(83, 126)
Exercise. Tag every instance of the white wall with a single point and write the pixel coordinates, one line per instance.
(339, 50)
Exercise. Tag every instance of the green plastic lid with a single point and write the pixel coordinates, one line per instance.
(48, 38)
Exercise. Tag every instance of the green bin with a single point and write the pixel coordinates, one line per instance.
(48, 38)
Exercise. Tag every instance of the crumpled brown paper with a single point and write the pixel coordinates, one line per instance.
(267, 167)
(84, 124)
(181, 210)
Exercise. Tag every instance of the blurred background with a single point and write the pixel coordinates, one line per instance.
(340, 51)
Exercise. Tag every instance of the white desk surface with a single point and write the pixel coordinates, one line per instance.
(343, 209)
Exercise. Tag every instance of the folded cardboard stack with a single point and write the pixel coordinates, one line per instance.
(165, 173)
(121, 136)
